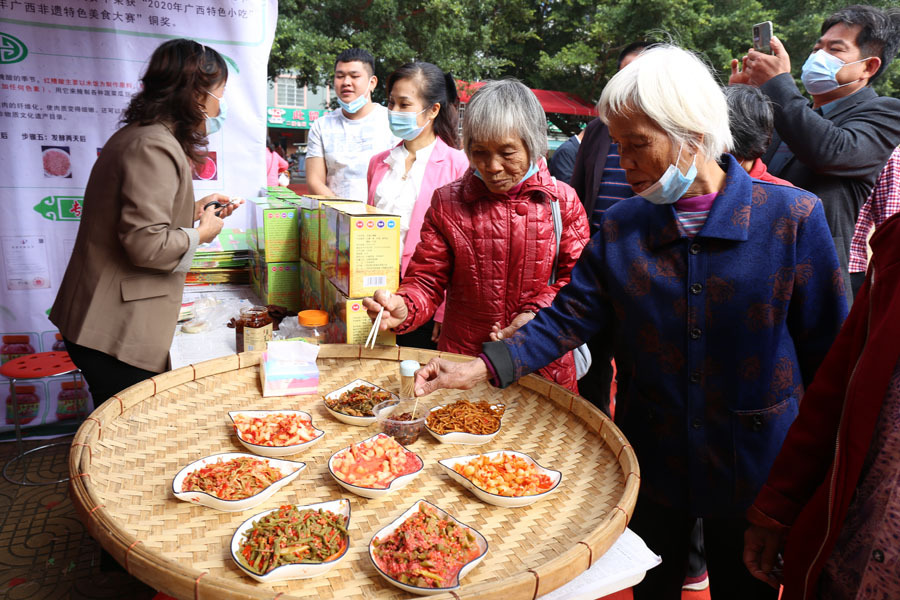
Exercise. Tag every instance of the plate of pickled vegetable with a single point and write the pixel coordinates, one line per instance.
(426, 550)
(503, 478)
(233, 481)
(375, 466)
(275, 433)
(293, 542)
(353, 403)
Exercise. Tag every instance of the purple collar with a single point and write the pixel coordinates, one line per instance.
(696, 203)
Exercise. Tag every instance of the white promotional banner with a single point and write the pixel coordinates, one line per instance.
(68, 69)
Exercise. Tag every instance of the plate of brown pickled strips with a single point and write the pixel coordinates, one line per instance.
(465, 422)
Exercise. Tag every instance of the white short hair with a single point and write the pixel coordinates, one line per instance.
(505, 107)
(678, 92)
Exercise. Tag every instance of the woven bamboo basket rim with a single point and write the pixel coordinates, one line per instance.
(186, 581)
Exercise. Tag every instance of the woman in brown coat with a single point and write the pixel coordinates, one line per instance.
(119, 300)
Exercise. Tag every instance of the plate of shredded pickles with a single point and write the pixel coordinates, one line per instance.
(233, 481)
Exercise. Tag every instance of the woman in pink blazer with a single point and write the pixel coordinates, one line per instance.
(424, 112)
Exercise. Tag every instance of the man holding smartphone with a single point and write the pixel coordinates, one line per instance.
(837, 147)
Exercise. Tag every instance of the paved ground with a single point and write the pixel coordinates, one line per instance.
(45, 551)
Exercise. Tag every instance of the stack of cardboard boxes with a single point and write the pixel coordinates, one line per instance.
(275, 249)
(313, 252)
(348, 250)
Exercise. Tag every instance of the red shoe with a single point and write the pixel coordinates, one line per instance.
(696, 584)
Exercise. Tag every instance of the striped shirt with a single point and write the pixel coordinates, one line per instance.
(883, 202)
(613, 187)
(692, 213)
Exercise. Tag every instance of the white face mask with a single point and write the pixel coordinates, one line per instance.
(673, 184)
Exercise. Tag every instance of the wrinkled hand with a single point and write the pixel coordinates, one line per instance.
(757, 67)
(501, 333)
(394, 308)
(436, 332)
(761, 548)
(441, 373)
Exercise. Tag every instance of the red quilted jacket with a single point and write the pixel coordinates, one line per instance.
(493, 254)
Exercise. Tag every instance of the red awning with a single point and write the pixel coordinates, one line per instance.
(553, 102)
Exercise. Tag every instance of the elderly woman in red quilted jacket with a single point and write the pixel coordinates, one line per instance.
(488, 239)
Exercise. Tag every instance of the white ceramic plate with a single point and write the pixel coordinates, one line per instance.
(386, 531)
(350, 419)
(461, 437)
(368, 492)
(275, 451)
(496, 499)
(290, 469)
(295, 571)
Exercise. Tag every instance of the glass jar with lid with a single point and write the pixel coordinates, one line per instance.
(15, 346)
(71, 402)
(29, 405)
(59, 345)
(254, 329)
(312, 326)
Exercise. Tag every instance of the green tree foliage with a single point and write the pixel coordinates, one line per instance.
(566, 45)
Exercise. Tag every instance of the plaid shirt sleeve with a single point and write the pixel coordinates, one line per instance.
(883, 202)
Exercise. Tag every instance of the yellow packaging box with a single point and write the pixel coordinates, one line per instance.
(310, 208)
(366, 256)
(348, 321)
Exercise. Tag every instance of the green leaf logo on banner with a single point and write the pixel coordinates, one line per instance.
(12, 50)
(60, 208)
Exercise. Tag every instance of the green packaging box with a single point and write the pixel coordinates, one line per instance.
(312, 216)
(310, 287)
(274, 233)
(275, 282)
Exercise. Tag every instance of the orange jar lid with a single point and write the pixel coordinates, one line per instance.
(58, 337)
(72, 385)
(16, 339)
(24, 389)
(312, 318)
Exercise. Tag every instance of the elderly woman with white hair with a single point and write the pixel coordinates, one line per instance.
(723, 294)
(488, 239)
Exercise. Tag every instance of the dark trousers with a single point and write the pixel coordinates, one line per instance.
(596, 383)
(668, 533)
(418, 338)
(105, 375)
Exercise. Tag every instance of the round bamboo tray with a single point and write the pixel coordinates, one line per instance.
(124, 456)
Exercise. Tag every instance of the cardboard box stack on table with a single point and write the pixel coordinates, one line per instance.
(348, 250)
(319, 253)
(275, 250)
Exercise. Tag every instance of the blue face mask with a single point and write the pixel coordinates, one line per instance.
(531, 171)
(673, 184)
(819, 73)
(404, 124)
(214, 124)
(354, 105)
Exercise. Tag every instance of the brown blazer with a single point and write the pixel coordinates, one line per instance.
(122, 289)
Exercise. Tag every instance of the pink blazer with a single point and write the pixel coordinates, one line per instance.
(446, 164)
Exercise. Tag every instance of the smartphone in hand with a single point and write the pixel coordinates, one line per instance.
(762, 36)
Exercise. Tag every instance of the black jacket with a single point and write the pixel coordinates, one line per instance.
(589, 164)
(838, 157)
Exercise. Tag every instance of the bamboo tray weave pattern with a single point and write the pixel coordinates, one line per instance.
(124, 456)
